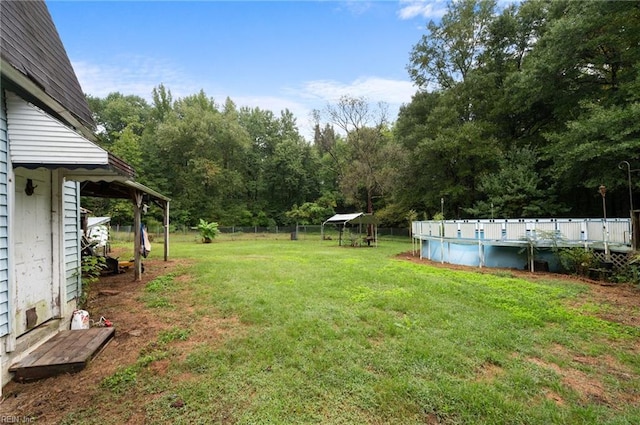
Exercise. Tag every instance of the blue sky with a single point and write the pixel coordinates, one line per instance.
(299, 55)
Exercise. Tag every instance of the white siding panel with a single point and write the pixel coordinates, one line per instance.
(72, 234)
(619, 232)
(38, 138)
(4, 214)
(545, 226)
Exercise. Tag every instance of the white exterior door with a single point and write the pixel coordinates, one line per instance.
(35, 296)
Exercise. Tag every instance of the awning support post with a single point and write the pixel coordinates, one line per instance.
(166, 231)
(137, 221)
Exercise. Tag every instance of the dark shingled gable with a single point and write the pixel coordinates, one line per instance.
(30, 42)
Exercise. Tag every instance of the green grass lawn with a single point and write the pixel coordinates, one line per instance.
(290, 332)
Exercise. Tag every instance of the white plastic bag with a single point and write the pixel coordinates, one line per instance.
(80, 320)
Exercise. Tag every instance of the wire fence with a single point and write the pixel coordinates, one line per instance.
(122, 233)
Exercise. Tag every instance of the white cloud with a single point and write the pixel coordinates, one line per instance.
(131, 76)
(357, 7)
(318, 94)
(428, 9)
(374, 89)
(275, 103)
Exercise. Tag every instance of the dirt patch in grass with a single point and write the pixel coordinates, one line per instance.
(488, 372)
(588, 388)
(162, 335)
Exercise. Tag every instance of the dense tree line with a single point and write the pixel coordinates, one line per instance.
(521, 112)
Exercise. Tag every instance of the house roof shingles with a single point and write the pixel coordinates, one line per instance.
(30, 43)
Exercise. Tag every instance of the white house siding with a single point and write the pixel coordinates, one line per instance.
(72, 259)
(38, 138)
(4, 227)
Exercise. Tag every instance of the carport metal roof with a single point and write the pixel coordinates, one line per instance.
(353, 218)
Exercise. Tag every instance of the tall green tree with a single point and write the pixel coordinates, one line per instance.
(367, 167)
(117, 112)
(282, 168)
(584, 68)
(541, 74)
(262, 128)
(203, 148)
(452, 48)
(331, 150)
(516, 189)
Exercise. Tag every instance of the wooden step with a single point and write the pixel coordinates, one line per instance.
(67, 352)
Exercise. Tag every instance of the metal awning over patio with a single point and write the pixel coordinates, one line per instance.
(141, 196)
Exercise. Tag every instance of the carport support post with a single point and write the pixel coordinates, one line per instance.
(375, 230)
(137, 207)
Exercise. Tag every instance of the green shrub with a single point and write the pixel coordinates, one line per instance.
(576, 260)
(208, 230)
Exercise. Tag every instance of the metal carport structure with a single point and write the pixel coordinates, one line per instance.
(359, 219)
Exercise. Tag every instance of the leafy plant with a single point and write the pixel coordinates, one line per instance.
(534, 241)
(355, 239)
(630, 273)
(91, 267)
(208, 230)
(155, 292)
(576, 260)
(309, 213)
(439, 217)
(411, 216)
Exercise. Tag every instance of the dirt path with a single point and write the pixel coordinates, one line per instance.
(116, 298)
